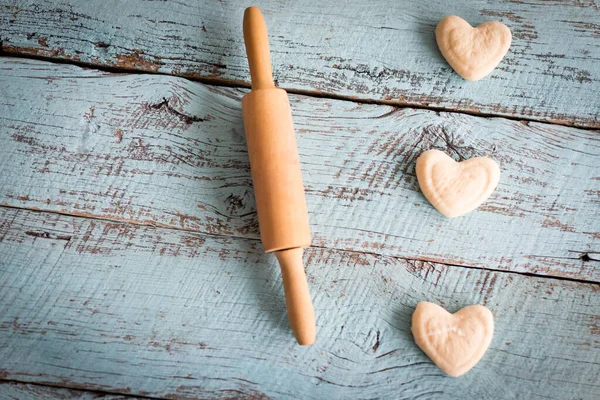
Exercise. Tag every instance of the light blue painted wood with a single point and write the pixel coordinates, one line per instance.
(24, 391)
(166, 313)
(165, 151)
(382, 50)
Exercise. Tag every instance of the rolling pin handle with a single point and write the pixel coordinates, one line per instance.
(257, 49)
(297, 297)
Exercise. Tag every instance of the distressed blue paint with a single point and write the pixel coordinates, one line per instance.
(94, 144)
(161, 312)
(383, 50)
(193, 308)
(27, 391)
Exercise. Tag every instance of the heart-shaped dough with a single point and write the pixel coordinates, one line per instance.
(454, 342)
(472, 52)
(456, 188)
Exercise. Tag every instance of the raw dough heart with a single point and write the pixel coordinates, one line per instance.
(472, 52)
(454, 342)
(456, 188)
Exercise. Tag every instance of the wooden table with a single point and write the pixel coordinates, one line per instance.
(130, 264)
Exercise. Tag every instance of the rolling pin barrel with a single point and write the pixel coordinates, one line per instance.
(276, 174)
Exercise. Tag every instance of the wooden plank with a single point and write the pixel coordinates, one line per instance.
(27, 391)
(169, 152)
(379, 50)
(166, 313)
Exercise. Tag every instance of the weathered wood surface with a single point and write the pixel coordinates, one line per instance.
(165, 151)
(381, 50)
(161, 312)
(27, 391)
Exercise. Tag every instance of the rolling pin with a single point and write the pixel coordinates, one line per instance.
(276, 176)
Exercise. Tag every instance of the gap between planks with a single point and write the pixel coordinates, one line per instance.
(97, 393)
(30, 54)
(333, 248)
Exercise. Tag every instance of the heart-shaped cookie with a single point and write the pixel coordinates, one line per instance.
(454, 342)
(472, 52)
(456, 188)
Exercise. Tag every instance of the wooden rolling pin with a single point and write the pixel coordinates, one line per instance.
(276, 176)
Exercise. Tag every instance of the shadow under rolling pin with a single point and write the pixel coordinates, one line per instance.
(276, 176)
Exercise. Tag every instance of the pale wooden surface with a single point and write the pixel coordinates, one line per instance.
(382, 50)
(118, 152)
(162, 312)
(129, 256)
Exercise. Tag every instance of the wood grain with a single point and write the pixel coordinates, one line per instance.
(27, 391)
(165, 151)
(164, 313)
(380, 50)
